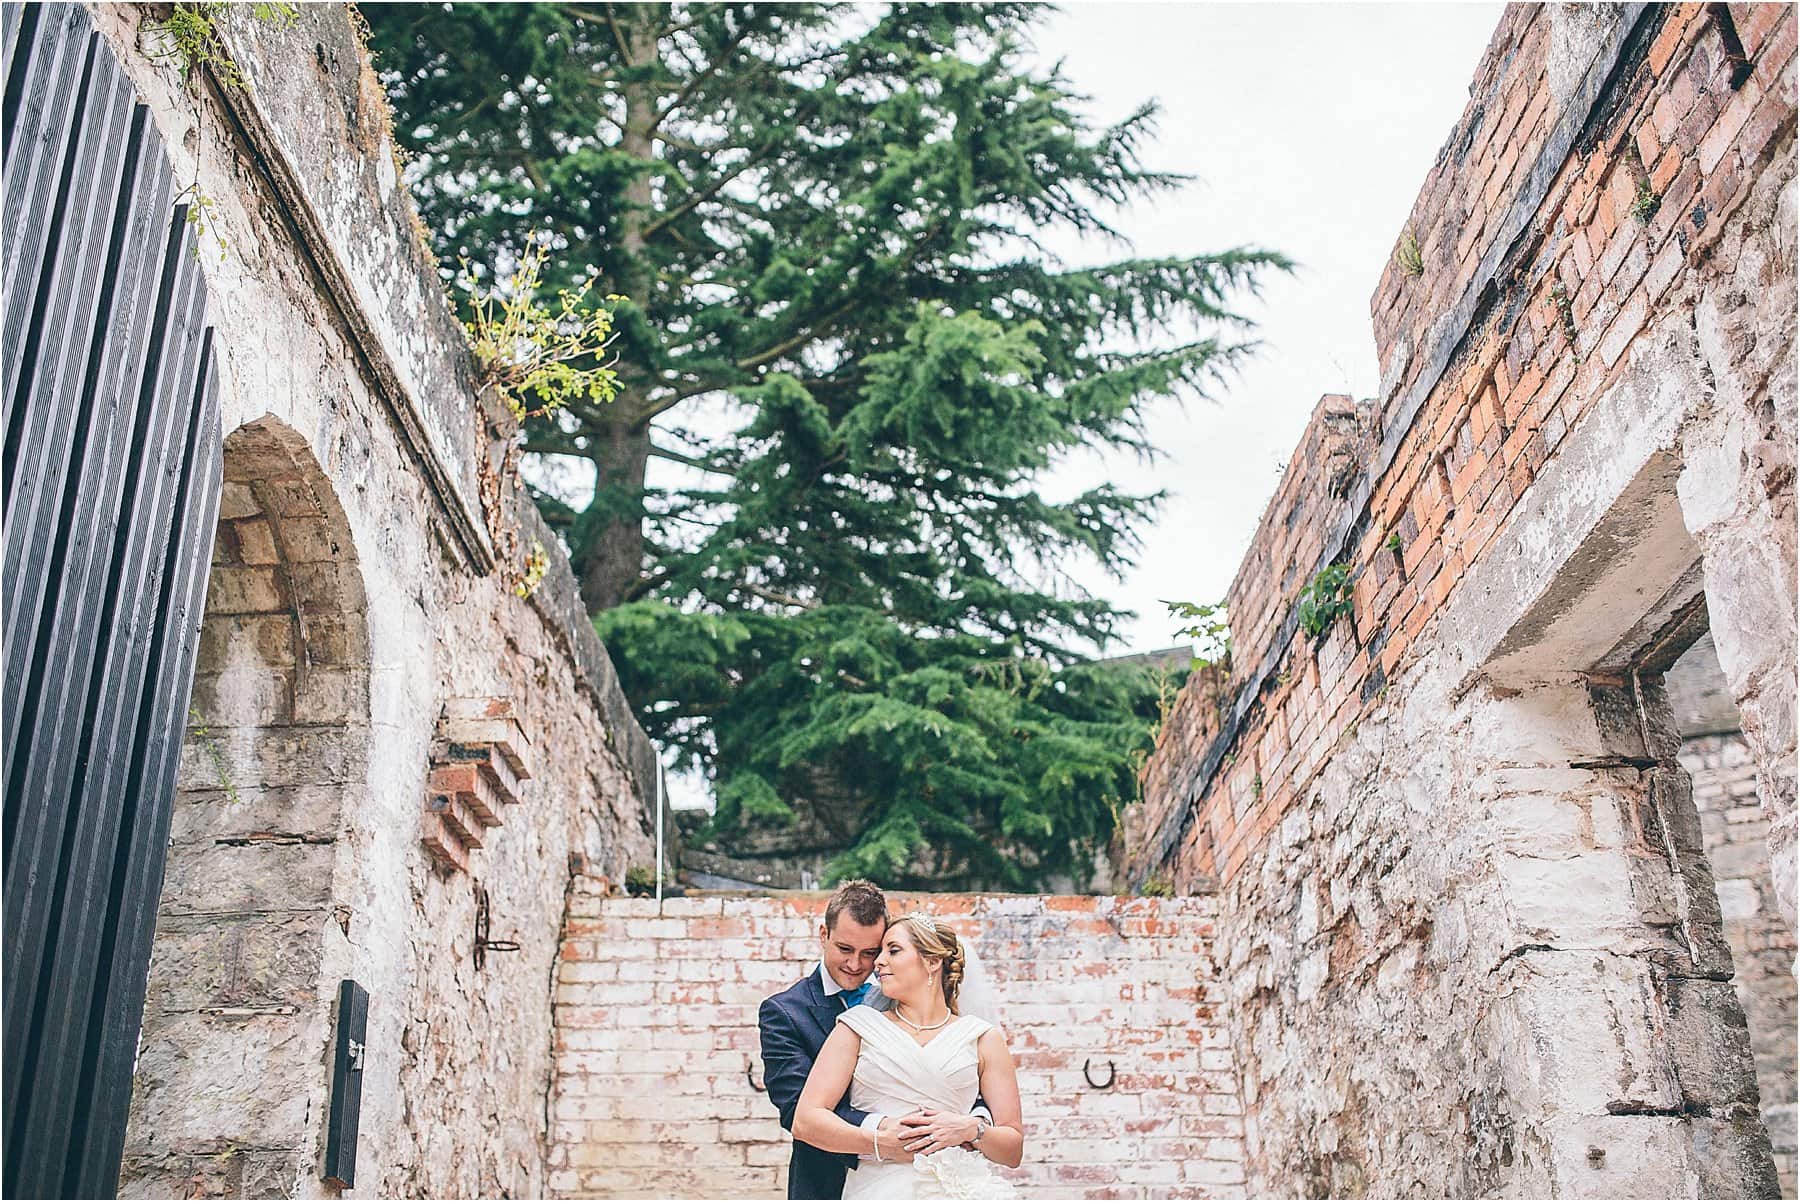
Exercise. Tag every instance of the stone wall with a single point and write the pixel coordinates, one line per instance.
(1469, 932)
(362, 584)
(1762, 945)
(1718, 758)
(657, 1068)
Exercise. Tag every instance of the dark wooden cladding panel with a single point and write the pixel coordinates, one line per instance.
(112, 482)
(15, 39)
(53, 707)
(43, 427)
(158, 430)
(40, 166)
(155, 756)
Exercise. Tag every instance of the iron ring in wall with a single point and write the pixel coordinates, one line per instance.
(1112, 1073)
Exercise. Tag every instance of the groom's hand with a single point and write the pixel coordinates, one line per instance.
(893, 1135)
(928, 1131)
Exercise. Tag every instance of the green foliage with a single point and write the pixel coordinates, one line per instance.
(828, 221)
(192, 36)
(201, 732)
(537, 562)
(1393, 542)
(1409, 256)
(1646, 202)
(200, 217)
(1157, 885)
(640, 881)
(1210, 629)
(537, 358)
(979, 765)
(1565, 310)
(1325, 599)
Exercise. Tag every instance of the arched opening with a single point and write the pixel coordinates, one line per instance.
(230, 1088)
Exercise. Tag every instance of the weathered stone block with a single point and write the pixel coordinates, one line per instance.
(1709, 1043)
(258, 871)
(244, 590)
(212, 961)
(202, 1082)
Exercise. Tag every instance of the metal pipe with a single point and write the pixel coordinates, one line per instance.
(659, 835)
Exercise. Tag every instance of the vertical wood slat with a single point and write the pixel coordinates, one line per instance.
(112, 482)
(42, 430)
(17, 26)
(50, 88)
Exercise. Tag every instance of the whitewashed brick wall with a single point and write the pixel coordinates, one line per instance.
(657, 1048)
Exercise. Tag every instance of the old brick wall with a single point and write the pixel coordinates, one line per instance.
(1452, 835)
(658, 1053)
(360, 586)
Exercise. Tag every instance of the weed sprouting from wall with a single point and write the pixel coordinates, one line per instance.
(1325, 599)
(538, 357)
(1408, 256)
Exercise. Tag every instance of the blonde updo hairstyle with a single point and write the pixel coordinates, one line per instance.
(935, 941)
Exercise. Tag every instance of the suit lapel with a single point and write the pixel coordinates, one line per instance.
(825, 1007)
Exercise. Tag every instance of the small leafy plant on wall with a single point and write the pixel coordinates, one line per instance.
(538, 358)
(1325, 599)
(188, 40)
(1408, 256)
(1209, 628)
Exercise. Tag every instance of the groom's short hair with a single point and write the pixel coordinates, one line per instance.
(864, 899)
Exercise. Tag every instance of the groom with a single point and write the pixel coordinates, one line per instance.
(796, 1022)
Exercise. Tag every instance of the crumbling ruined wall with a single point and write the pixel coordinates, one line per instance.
(1111, 1008)
(1718, 759)
(358, 452)
(1470, 935)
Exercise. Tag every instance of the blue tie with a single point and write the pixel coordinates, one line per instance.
(854, 997)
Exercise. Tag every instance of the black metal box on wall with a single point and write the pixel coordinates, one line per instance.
(346, 1084)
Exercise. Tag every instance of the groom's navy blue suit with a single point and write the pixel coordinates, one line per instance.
(795, 1024)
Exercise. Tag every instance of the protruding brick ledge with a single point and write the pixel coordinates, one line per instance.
(479, 762)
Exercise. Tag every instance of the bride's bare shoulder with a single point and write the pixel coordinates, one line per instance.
(991, 1041)
(855, 1021)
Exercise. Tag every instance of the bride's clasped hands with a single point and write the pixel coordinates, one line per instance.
(926, 1131)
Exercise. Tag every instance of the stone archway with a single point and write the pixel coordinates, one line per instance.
(230, 1089)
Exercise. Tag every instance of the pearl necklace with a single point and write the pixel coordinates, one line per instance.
(915, 1026)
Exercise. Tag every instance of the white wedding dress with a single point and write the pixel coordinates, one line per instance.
(895, 1075)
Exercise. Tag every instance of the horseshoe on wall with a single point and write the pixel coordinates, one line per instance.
(1111, 1073)
(750, 1076)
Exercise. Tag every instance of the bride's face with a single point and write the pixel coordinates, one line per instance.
(905, 975)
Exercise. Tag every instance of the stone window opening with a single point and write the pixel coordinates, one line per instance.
(1618, 1021)
(253, 930)
(1718, 760)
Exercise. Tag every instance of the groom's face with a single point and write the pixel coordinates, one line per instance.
(849, 949)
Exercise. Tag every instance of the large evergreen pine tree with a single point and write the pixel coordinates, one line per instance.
(826, 221)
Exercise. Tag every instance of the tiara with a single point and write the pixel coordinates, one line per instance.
(922, 917)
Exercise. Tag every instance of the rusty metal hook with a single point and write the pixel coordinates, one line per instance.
(750, 1076)
(1112, 1073)
(483, 945)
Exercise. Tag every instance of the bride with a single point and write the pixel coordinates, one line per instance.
(928, 1060)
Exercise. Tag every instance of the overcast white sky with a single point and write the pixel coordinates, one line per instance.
(1310, 128)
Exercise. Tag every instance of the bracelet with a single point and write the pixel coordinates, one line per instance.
(875, 1134)
(982, 1126)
